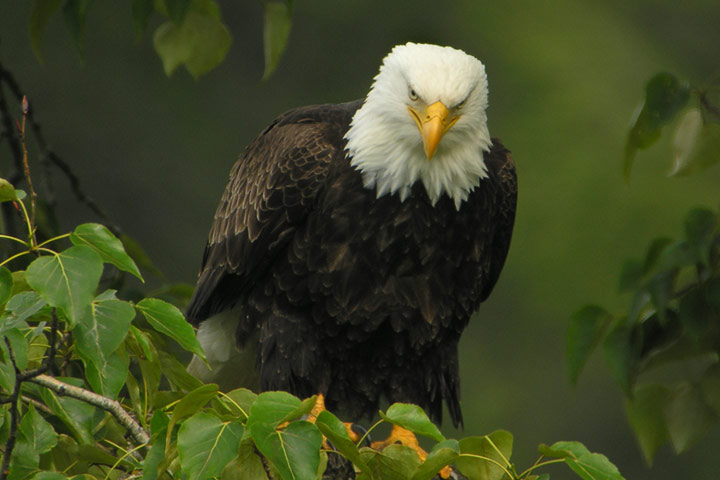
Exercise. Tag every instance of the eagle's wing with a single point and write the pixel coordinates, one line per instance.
(272, 188)
(502, 168)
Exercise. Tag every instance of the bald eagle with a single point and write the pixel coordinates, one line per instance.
(354, 242)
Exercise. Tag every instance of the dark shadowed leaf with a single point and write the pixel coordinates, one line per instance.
(645, 410)
(687, 416)
(139, 256)
(443, 454)
(107, 245)
(622, 353)
(141, 12)
(484, 457)
(665, 96)
(67, 280)
(43, 11)
(75, 13)
(278, 21)
(247, 466)
(395, 462)
(206, 444)
(337, 435)
(700, 225)
(176, 372)
(412, 418)
(155, 456)
(589, 466)
(710, 387)
(585, 331)
(6, 286)
(294, 451)
(169, 320)
(177, 9)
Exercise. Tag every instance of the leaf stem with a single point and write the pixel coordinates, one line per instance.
(491, 460)
(367, 433)
(59, 237)
(539, 464)
(9, 237)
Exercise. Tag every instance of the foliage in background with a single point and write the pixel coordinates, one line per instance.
(664, 350)
(192, 34)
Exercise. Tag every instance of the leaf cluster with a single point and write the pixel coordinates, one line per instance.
(672, 323)
(191, 34)
(91, 389)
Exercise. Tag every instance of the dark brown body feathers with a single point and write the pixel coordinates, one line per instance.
(353, 296)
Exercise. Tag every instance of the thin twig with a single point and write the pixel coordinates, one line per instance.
(109, 405)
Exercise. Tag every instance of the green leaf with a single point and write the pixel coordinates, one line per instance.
(78, 416)
(8, 192)
(98, 334)
(108, 378)
(413, 418)
(687, 416)
(35, 437)
(273, 408)
(75, 13)
(395, 462)
(443, 454)
(200, 42)
(49, 476)
(206, 444)
(589, 466)
(155, 457)
(6, 286)
(294, 451)
(337, 434)
(24, 305)
(276, 31)
(169, 320)
(176, 372)
(192, 402)
(19, 346)
(645, 412)
(67, 280)
(665, 96)
(696, 145)
(622, 353)
(247, 466)
(482, 456)
(107, 245)
(43, 11)
(240, 401)
(585, 330)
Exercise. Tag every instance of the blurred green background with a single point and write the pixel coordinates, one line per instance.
(565, 80)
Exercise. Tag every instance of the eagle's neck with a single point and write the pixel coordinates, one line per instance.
(389, 154)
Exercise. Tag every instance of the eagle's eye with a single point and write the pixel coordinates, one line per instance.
(413, 95)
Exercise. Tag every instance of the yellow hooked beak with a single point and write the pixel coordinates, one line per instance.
(433, 124)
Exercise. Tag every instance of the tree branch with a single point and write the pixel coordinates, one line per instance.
(111, 406)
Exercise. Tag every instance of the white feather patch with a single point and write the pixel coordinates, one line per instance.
(384, 143)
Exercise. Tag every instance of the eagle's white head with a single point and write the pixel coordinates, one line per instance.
(424, 119)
